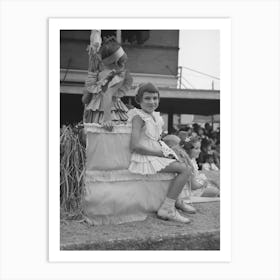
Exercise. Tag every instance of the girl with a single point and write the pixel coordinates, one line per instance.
(200, 185)
(103, 89)
(150, 155)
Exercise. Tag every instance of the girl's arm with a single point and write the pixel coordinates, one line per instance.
(87, 96)
(135, 146)
(107, 105)
(205, 166)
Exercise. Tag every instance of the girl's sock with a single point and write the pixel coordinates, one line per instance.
(168, 203)
(167, 211)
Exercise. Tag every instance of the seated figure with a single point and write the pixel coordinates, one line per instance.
(203, 183)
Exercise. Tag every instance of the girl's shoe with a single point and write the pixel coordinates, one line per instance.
(172, 215)
(184, 206)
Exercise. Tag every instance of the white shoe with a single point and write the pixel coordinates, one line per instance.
(172, 215)
(184, 206)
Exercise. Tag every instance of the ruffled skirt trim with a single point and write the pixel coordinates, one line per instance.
(118, 128)
(148, 164)
(94, 112)
(123, 176)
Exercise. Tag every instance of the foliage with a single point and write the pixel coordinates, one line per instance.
(72, 169)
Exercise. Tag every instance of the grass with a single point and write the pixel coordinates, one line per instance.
(72, 169)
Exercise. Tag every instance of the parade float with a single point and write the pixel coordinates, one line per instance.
(112, 194)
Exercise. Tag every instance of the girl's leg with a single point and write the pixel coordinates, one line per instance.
(167, 210)
(180, 180)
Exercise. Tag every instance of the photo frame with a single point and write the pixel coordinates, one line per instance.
(25, 127)
(55, 26)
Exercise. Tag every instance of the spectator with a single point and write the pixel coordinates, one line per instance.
(201, 133)
(205, 150)
(195, 127)
(208, 129)
(183, 135)
(209, 164)
(174, 130)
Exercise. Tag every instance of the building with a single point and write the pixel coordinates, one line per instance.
(153, 56)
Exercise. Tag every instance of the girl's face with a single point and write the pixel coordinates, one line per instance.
(210, 160)
(149, 102)
(207, 148)
(195, 151)
(200, 132)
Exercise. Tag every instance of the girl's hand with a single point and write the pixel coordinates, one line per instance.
(87, 96)
(111, 74)
(108, 125)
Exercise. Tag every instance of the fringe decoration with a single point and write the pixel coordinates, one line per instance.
(124, 175)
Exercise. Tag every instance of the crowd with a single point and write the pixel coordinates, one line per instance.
(209, 155)
(198, 148)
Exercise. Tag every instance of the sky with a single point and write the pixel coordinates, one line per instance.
(199, 50)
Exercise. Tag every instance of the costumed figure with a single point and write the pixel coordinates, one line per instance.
(107, 82)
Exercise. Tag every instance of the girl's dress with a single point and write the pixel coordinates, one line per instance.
(201, 185)
(150, 138)
(97, 84)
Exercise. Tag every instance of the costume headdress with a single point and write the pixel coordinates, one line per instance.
(111, 51)
(113, 57)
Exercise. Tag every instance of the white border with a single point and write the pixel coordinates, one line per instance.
(55, 25)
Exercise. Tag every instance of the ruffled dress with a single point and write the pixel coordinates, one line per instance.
(97, 84)
(205, 185)
(150, 138)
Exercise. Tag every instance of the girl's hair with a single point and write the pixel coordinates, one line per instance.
(109, 47)
(189, 143)
(147, 87)
(195, 127)
(208, 157)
